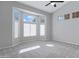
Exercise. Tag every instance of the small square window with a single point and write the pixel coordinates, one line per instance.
(67, 16)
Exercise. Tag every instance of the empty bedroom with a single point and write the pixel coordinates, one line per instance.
(39, 29)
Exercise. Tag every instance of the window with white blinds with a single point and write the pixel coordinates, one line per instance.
(29, 26)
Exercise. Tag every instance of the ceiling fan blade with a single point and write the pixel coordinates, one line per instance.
(54, 1)
(57, 1)
(47, 4)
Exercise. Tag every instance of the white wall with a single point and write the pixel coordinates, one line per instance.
(66, 30)
(5, 26)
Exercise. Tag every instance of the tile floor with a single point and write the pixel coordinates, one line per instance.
(41, 49)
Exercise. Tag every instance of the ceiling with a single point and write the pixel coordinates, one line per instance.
(41, 5)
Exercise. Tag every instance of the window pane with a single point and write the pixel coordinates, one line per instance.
(16, 15)
(42, 30)
(26, 29)
(33, 29)
(29, 19)
(29, 25)
(16, 29)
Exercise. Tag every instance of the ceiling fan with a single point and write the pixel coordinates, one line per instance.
(54, 3)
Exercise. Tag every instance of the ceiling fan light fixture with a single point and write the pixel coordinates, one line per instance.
(54, 5)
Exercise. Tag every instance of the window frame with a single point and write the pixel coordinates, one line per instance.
(30, 25)
(44, 18)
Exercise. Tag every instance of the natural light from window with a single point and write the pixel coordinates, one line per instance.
(29, 49)
(50, 45)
